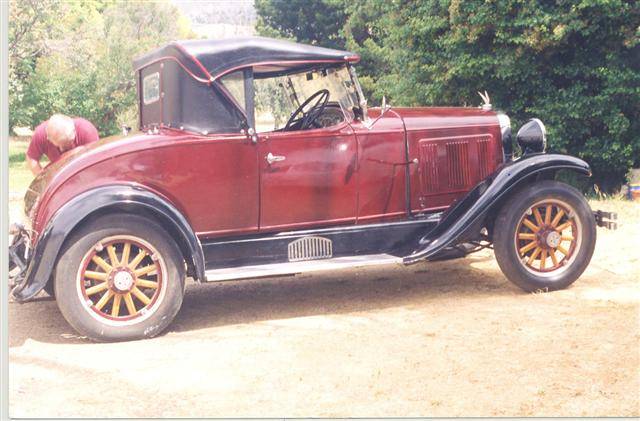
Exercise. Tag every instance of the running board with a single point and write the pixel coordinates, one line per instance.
(292, 268)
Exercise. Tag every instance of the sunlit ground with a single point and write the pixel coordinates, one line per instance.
(391, 341)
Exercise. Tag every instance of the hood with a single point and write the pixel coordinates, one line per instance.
(418, 118)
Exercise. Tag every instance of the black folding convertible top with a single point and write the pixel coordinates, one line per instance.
(207, 59)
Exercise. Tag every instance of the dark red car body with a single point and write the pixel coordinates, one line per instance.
(342, 175)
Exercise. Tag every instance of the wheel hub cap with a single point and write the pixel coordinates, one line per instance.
(553, 239)
(123, 280)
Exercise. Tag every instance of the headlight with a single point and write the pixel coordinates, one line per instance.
(532, 137)
(505, 131)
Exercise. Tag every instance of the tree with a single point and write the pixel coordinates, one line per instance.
(309, 21)
(574, 64)
(78, 61)
(32, 24)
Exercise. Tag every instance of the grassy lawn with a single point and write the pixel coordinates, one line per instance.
(19, 178)
(19, 174)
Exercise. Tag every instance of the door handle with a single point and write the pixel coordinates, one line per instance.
(271, 158)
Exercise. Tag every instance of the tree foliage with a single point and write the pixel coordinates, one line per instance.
(307, 21)
(75, 57)
(574, 64)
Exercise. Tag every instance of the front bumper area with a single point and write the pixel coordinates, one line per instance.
(19, 256)
(606, 219)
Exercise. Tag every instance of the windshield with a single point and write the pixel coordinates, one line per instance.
(277, 98)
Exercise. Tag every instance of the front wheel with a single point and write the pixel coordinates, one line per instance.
(120, 277)
(545, 236)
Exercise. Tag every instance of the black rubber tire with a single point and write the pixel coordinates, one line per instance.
(71, 257)
(506, 225)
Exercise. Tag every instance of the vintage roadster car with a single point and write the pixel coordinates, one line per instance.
(259, 157)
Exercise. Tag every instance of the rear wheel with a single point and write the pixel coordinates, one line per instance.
(545, 236)
(120, 277)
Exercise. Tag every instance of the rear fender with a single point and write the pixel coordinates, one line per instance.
(468, 214)
(114, 198)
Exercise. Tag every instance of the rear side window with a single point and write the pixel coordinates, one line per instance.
(234, 83)
(151, 88)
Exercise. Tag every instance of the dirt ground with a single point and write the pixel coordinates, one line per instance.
(437, 339)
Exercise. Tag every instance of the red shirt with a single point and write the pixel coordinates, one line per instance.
(40, 145)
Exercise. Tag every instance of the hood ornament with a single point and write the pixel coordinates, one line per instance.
(487, 101)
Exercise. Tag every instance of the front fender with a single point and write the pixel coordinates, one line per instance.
(475, 205)
(124, 198)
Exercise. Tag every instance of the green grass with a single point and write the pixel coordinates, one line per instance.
(19, 174)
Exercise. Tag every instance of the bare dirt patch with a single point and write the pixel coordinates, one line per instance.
(448, 338)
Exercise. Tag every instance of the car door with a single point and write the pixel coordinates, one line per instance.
(307, 178)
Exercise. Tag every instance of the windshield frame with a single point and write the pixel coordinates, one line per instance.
(351, 100)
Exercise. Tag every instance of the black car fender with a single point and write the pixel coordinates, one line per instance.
(112, 198)
(464, 216)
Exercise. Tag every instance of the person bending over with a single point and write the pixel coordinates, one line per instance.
(56, 136)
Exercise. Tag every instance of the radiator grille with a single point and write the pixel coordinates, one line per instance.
(484, 158)
(310, 248)
(429, 169)
(458, 156)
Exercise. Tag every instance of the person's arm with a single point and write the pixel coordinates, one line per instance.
(35, 150)
(34, 166)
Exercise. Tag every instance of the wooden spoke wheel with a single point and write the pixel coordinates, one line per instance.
(547, 236)
(121, 278)
(544, 236)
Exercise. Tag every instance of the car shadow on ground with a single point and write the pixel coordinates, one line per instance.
(226, 303)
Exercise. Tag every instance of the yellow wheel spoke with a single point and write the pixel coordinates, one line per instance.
(113, 257)
(125, 254)
(547, 215)
(535, 254)
(566, 238)
(99, 276)
(140, 296)
(524, 236)
(536, 214)
(543, 259)
(531, 225)
(145, 270)
(136, 260)
(100, 262)
(554, 259)
(115, 311)
(528, 247)
(564, 226)
(97, 288)
(104, 300)
(144, 283)
(130, 306)
(562, 250)
(557, 218)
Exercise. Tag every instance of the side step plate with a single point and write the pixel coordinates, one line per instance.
(291, 268)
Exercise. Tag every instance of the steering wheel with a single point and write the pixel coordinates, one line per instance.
(305, 119)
